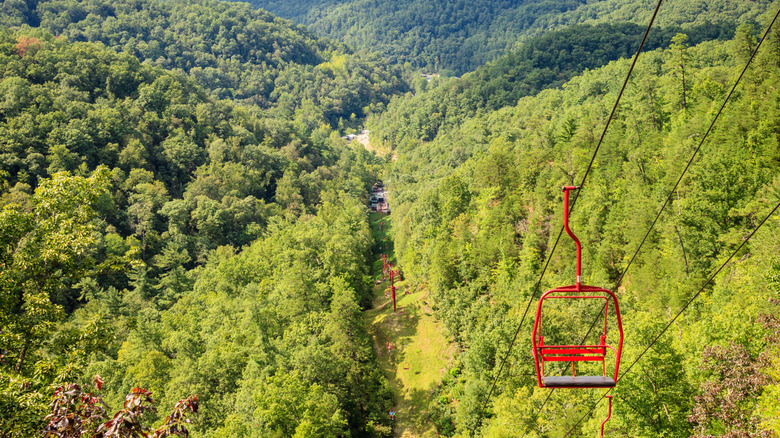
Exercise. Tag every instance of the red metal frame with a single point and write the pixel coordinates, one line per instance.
(576, 353)
(392, 285)
(609, 414)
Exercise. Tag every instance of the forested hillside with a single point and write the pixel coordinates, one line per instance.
(298, 11)
(459, 36)
(181, 219)
(162, 238)
(229, 49)
(543, 62)
(478, 208)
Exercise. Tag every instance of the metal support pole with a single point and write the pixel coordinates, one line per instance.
(392, 286)
(566, 226)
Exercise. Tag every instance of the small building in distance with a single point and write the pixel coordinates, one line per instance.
(377, 201)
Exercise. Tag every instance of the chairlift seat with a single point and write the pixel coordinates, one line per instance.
(544, 353)
(578, 382)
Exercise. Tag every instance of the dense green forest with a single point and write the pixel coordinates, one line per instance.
(297, 11)
(184, 231)
(547, 61)
(230, 50)
(459, 36)
(149, 237)
(478, 210)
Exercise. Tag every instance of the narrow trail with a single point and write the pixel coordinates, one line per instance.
(383, 150)
(419, 352)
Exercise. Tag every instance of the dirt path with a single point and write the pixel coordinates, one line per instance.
(363, 138)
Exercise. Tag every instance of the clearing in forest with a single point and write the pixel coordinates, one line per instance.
(380, 149)
(419, 351)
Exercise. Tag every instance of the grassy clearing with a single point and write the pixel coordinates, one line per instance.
(420, 351)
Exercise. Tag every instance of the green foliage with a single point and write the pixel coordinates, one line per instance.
(229, 49)
(287, 406)
(182, 163)
(46, 251)
(131, 260)
(455, 36)
(542, 62)
(255, 337)
(478, 209)
(160, 235)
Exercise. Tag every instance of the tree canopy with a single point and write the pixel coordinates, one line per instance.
(229, 49)
(478, 209)
(456, 36)
(144, 220)
(182, 223)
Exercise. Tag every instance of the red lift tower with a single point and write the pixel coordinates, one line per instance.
(392, 285)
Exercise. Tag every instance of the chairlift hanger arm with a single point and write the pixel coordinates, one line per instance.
(566, 191)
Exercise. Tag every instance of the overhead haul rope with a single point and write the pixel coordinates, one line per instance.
(666, 202)
(573, 203)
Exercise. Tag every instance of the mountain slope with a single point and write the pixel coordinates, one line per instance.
(459, 35)
(546, 61)
(230, 49)
(454, 34)
(165, 239)
(477, 210)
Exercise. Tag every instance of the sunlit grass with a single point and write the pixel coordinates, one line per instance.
(420, 352)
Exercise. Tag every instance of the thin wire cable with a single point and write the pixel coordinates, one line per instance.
(593, 158)
(549, 394)
(709, 280)
(517, 332)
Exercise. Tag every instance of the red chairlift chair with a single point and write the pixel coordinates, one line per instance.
(544, 353)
